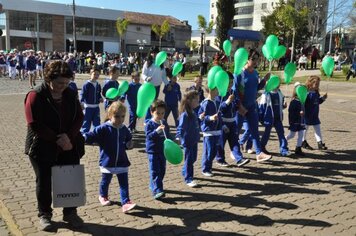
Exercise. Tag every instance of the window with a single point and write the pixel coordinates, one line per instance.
(244, 10)
(22, 20)
(243, 22)
(240, 1)
(212, 5)
(104, 28)
(84, 26)
(45, 23)
(212, 16)
(264, 6)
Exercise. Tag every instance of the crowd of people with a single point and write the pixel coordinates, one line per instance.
(57, 127)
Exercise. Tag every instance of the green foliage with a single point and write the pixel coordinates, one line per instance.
(284, 19)
(226, 12)
(121, 26)
(161, 30)
(193, 45)
(202, 24)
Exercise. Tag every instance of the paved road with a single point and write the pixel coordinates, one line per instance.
(312, 195)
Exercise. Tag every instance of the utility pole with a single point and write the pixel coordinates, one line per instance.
(332, 28)
(74, 29)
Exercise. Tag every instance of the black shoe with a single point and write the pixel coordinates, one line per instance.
(321, 146)
(46, 223)
(306, 145)
(73, 219)
(263, 149)
(298, 151)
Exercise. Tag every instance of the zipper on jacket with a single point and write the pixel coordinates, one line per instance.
(118, 146)
(33, 140)
(59, 117)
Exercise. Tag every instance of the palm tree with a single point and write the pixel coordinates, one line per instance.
(205, 29)
(121, 27)
(161, 30)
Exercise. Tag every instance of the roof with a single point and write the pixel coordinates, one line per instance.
(240, 34)
(150, 19)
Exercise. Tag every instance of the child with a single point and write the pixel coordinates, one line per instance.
(113, 138)
(228, 109)
(296, 121)
(211, 128)
(198, 80)
(173, 96)
(31, 68)
(131, 96)
(271, 108)
(111, 82)
(188, 134)
(312, 112)
(90, 98)
(155, 129)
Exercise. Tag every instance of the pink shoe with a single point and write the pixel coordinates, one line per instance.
(128, 206)
(104, 201)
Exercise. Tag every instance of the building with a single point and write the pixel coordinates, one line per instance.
(49, 26)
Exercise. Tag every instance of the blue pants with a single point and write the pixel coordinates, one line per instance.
(233, 138)
(133, 118)
(246, 136)
(210, 147)
(174, 110)
(278, 126)
(148, 114)
(123, 183)
(157, 167)
(252, 127)
(190, 156)
(91, 115)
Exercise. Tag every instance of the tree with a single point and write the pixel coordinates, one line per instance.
(161, 30)
(193, 45)
(205, 29)
(226, 12)
(285, 21)
(121, 27)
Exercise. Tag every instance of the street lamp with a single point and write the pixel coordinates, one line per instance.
(141, 47)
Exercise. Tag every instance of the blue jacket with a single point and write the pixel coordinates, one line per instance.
(270, 107)
(31, 63)
(296, 121)
(91, 93)
(173, 96)
(109, 83)
(246, 86)
(72, 85)
(228, 111)
(312, 108)
(188, 130)
(209, 127)
(155, 140)
(131, 95)
(112, 142)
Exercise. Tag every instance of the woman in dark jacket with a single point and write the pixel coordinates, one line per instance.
(54, 118)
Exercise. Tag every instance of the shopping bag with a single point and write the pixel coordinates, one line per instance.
(68, 186)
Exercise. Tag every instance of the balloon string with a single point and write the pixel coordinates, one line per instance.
(270, 66)
(164, 132)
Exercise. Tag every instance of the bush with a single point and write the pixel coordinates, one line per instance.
(345, 69)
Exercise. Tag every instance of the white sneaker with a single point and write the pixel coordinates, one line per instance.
(250, 151)
(263, 157)
(232, 156)
(208, 174)
(192, 184)
(242, 162)
(104, 201)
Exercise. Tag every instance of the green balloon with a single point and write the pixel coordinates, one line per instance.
(302, 93)
(279, 52)
(124, 86)
(328, 65)
(145, 96)
(160, 58)
(172, 152)
(266, 53)
(240, 59)
(178, 66)
(222, 82)
(227, 47)
(112, 93)
(289, 72)
(271, 44)
(272, 83)
(211, 75)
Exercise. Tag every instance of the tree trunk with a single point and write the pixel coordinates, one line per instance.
(160, 41)
(291, 55)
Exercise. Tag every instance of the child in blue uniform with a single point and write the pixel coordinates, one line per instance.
(188, 135)
(173, 96)
(211, 127)
(154, 129)
(312, 111)
(111, 82)
(296, 121)
(271, 108)
(131, 96)
(113, 138)
(198, 81)
(90, 98)
(228, 109)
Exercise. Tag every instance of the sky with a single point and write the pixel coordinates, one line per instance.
(180, 9)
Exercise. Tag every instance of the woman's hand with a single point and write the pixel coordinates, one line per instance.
(64, 142)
